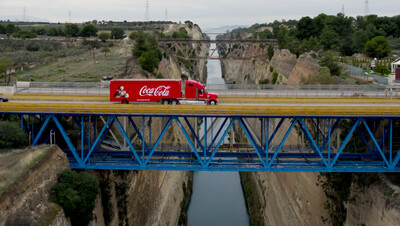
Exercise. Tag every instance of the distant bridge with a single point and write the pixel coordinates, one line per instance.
(230, 49)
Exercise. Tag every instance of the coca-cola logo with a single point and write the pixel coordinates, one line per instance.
(159, 91)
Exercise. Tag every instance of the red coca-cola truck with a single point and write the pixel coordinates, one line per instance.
(165, 91)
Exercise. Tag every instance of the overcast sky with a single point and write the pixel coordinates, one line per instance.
(206, 13)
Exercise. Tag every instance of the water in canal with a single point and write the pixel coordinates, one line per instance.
(217, 197)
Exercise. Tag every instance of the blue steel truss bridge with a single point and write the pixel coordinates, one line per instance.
(241, 137)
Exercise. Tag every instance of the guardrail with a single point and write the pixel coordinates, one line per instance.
(219, 110)
(251, 90)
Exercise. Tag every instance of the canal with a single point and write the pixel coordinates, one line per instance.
(217, 197)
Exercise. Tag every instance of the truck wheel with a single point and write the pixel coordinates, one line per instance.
(124, 101)
(165, 102)
(212, 102)
(174, 102)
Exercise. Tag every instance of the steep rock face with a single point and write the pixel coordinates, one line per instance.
(286, 198)
(377, 205)
(244, 72)
(24, 199)
(304, 67)
(283, 62)
(173, 67)
(289, 68)
(290, 198)
(143, 197)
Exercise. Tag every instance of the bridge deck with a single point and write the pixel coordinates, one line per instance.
(243, 110)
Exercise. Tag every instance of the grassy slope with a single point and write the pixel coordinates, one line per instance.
(82, 68)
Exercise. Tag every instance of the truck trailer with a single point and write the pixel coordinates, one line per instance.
(165, 91)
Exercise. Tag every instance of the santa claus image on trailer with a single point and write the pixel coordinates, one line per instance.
(121, 93)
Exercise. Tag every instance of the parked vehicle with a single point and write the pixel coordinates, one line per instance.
(3, 99)
(165, 91)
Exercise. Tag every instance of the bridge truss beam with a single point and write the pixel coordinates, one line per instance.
(188, 49)
(262, 148)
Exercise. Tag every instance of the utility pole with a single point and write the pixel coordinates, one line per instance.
(366, 8)
(147, 15)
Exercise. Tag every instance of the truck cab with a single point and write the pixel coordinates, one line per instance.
(194, 90)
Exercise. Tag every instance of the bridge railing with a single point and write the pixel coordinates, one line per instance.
(61, 88)
(251, 90)
(265, 90)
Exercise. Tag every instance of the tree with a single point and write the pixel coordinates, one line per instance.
(89, 30)
(270, 51)
(2, 29)
(117, 33)
(382, 69)
(5, 65)
(11, 135)
(10, 29)
(329, 39)
(360, 37)
(103, 36)
(377, 47)
(71, 30)
(283, 38)
(329, 60)
(146, 49)
(189, 23)
(76, 193)
(323, 77)
(306, 28)
(149, 60)
(134, 34)
(105, 51)
(310, 44)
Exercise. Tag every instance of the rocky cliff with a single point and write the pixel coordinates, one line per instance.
(289, 68)
(26, 179)
(295, 198)
(379, 204)
(173, 65)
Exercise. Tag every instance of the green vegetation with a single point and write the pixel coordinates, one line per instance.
(377, 47)
(71, 30)
(337, 187)
(330, 61)
(105, 51)
(146, 49)
(323, 77)
(263, 81)
(389, 192)
(271, 52)
(117, 33)
(11, 135)
(89, 30)
(76, 193)
(346, 35)
(274, 77)
(382, 70)
(104, 36)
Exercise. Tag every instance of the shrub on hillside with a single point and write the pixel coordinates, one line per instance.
(76, 193)
(11, 135)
